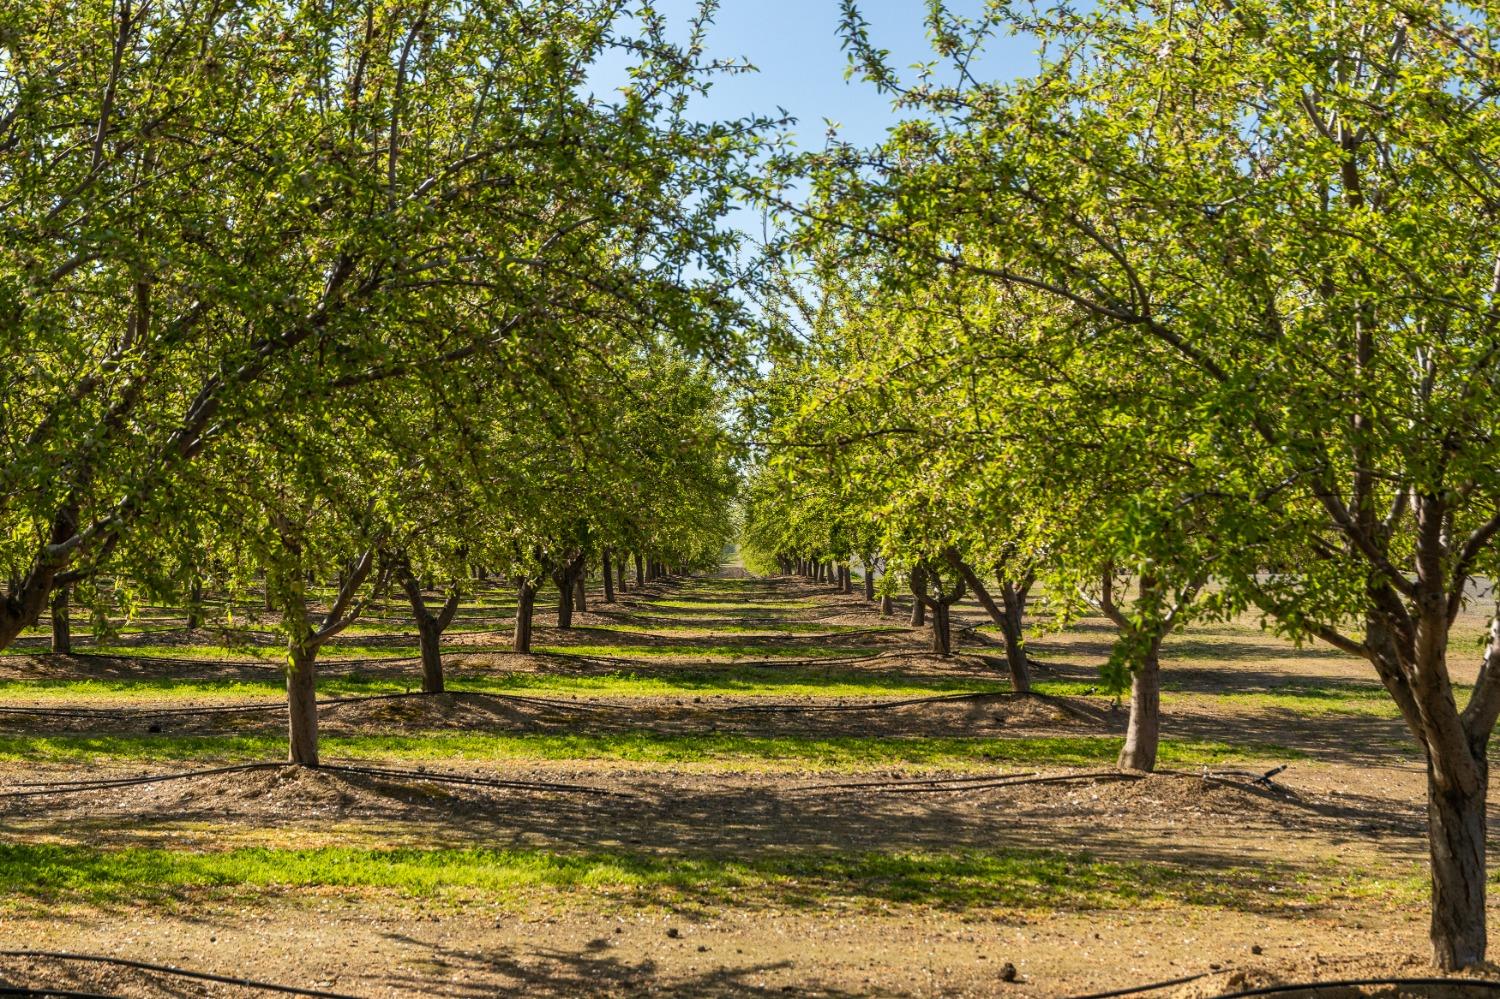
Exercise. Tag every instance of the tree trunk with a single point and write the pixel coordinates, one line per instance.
(430, 641)
(918, 583)
(580, 591)
(302, 706)
(620, 575)
(1007, 617)
(565, 604)
(1456, 840)
(609, 579)
(62, 631)
(846, 579)
(525, 606)
(942, 634)
(1144, 732)
(640, 572)
(977, 585)
(869, 584)
(195, 603)
(429, 626)
(887, 605)
(1012, 627)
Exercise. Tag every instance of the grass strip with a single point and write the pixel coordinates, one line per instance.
(737, 681)
(731, 751)
(1006, 878)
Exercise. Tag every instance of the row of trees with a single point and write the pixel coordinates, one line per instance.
(354, 294)
(1203, 317)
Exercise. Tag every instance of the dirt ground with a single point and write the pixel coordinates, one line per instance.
(1315, 876)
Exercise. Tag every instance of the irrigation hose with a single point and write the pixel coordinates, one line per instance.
(1271, 990)
(1268, 990)
(43, 788)
(1136, 989)
(167, 969)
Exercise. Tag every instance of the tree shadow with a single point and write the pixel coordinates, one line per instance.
(554, 971)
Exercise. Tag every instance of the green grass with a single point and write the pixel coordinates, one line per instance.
(739, 681)
(747, 606)
(841, 753)
(968, 880)
(737, 650)
(1315, 700)
(688, 627)
(742, 681)
(214, 653)
(1306, 699)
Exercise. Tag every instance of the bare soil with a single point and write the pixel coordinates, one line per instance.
(1323, 842)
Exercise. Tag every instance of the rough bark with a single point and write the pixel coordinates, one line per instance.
(869, 583)
(942, 633)
(1143, 734)
(525, 607)
(430, 643)
(580, 591)
(1456, 833)
(887, 605)
(62, 631)
(640, 572)
(609, 578)
(846, 580)
(302, 705)
(1457, 747)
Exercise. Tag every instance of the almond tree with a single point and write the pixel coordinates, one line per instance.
(209, 212)
(1290, 219)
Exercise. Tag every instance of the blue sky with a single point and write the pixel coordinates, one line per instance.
(795, 45)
